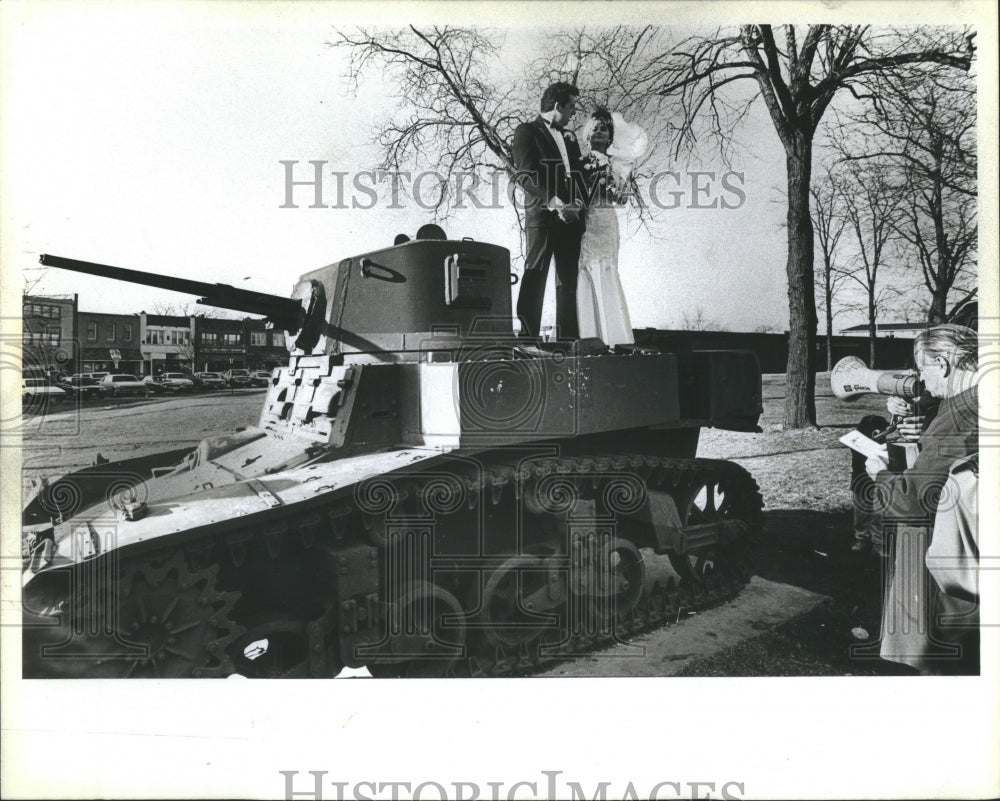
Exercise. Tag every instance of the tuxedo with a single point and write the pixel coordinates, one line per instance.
(542, 174)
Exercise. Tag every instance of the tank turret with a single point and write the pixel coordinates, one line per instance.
(425, 493)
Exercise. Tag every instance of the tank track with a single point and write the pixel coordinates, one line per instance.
(228, 566)
(662, 602)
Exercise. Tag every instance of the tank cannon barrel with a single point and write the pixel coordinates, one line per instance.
(286, 313)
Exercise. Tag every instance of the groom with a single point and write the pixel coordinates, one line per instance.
(546, 158)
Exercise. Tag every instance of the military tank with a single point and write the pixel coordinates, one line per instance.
(426, 493)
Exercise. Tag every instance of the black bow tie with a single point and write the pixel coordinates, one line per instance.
(553, 126)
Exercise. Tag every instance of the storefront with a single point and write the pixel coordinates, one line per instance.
(108, 343)
(265, 347)
(111, 360)
(167, 343)
(218, 360)
(221, 344)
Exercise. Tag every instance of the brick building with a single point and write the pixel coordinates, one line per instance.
(219, 344)
(49, 334)
(109, 343)
(265, 347)
(167, 342)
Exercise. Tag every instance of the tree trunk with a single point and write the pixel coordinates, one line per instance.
(800, 376)
(938, 312)
(872, 324)
(829, 313)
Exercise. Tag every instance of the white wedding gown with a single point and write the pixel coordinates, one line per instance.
(600, 301)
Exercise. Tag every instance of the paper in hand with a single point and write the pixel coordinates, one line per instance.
(857, 441)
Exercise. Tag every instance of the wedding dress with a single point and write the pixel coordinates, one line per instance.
(600, 300)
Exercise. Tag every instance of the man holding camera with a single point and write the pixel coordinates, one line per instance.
(904, 506)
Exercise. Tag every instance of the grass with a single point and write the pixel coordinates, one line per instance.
(804, 478)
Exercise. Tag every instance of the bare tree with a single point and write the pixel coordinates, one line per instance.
(828, 221)
(870, 205)
(698, 321)
(191, 308)
(797, 74)
(927, 131)
(458, 104)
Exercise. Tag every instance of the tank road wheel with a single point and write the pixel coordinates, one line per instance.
(718, 494)
(426, 629)
(162, 620)
(619, 577)
(519, 599)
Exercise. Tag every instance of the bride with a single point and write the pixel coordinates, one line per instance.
(600, 301)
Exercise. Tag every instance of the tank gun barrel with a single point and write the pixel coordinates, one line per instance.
(285, 313)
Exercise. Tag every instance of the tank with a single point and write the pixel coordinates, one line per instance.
(425, 494)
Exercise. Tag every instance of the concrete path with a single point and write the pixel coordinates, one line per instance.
(759, 607)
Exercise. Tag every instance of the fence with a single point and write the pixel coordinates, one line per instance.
(772, 349)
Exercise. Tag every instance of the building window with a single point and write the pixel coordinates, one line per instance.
(277, 339)
(41, 310)
(258, 338)
(232, 339)
(127, 332)
(47, 336)
(109, 332)
(92, 332)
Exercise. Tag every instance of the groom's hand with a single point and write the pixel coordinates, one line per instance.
(571, 212)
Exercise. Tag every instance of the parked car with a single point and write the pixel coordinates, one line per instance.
(153, 385)
(169, 382)
(119, 384)
(38, 394)
(83, 386)
(210, 381)
(237, 378)
(260, 378)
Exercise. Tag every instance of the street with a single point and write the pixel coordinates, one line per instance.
(71, 438)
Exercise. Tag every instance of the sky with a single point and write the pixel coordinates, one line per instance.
(152, 137)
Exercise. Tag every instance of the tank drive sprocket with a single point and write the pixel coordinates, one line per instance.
(144, 617)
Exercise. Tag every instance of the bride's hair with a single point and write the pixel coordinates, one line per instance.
(599, 114)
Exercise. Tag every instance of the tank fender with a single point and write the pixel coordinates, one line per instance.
(90, 484)
(231, 505)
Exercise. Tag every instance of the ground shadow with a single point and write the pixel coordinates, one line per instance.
(812, 550)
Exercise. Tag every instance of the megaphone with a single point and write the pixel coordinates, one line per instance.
(851, 378)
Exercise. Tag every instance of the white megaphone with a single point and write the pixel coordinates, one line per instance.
(851, 378)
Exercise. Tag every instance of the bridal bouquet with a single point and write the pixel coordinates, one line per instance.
(612, 172)
(597, 169)
(599, 172)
